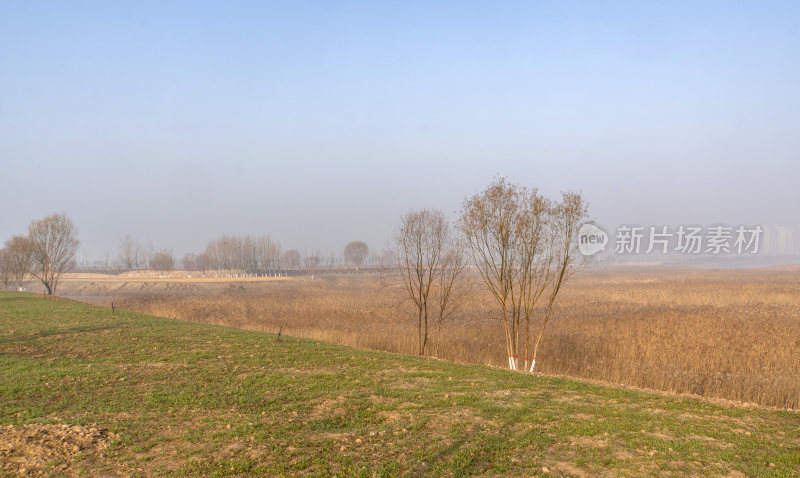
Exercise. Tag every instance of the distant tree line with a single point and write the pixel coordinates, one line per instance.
(50, 247)
(249, 255)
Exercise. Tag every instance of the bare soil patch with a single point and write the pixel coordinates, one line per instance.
(37, 448)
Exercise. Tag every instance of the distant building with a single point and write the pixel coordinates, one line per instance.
(780, 240)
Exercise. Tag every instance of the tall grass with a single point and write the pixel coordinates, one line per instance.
(723, 334)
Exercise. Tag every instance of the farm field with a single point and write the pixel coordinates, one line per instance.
(85, 391)
(724, 334)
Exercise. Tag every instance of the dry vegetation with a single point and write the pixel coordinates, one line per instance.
(89, 392)
(725, 334)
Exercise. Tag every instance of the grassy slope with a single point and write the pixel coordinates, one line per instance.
(194, 399)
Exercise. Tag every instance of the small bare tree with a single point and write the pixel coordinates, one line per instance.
(356, 253)
(450, 293)
(20, 260)
(128, 256)
(430, 263)
(54, 242)
(163, 261)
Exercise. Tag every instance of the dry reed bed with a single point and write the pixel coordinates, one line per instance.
(723, 334)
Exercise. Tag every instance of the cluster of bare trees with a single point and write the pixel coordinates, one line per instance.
(250, 255)
(133, 255)
(522, 245)
(44, 254)
(16, 263)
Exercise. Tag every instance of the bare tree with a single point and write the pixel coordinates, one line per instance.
(356, 252)
(489, 223)
(190, 262)
(203, 263)
(6, 277)
(126, 257)
(291, 259)
(312, 261)
(132, 255)
(54, 243)
(387, 259)
(564, 256)
(163, 261)
(430, 263)
(147, 253)
(450, 294)
(535, 253)
(523, 247)
(19, 255)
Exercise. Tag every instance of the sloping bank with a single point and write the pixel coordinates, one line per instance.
(103, 393)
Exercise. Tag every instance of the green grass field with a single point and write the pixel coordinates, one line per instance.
(181, 398)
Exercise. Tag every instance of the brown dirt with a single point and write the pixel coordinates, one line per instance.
(38, 449)
(329, 408)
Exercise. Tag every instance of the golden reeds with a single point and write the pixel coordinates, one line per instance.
(724, 334)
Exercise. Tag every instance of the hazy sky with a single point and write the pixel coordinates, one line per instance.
(321, 122)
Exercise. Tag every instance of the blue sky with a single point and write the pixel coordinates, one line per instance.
(321, 122)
